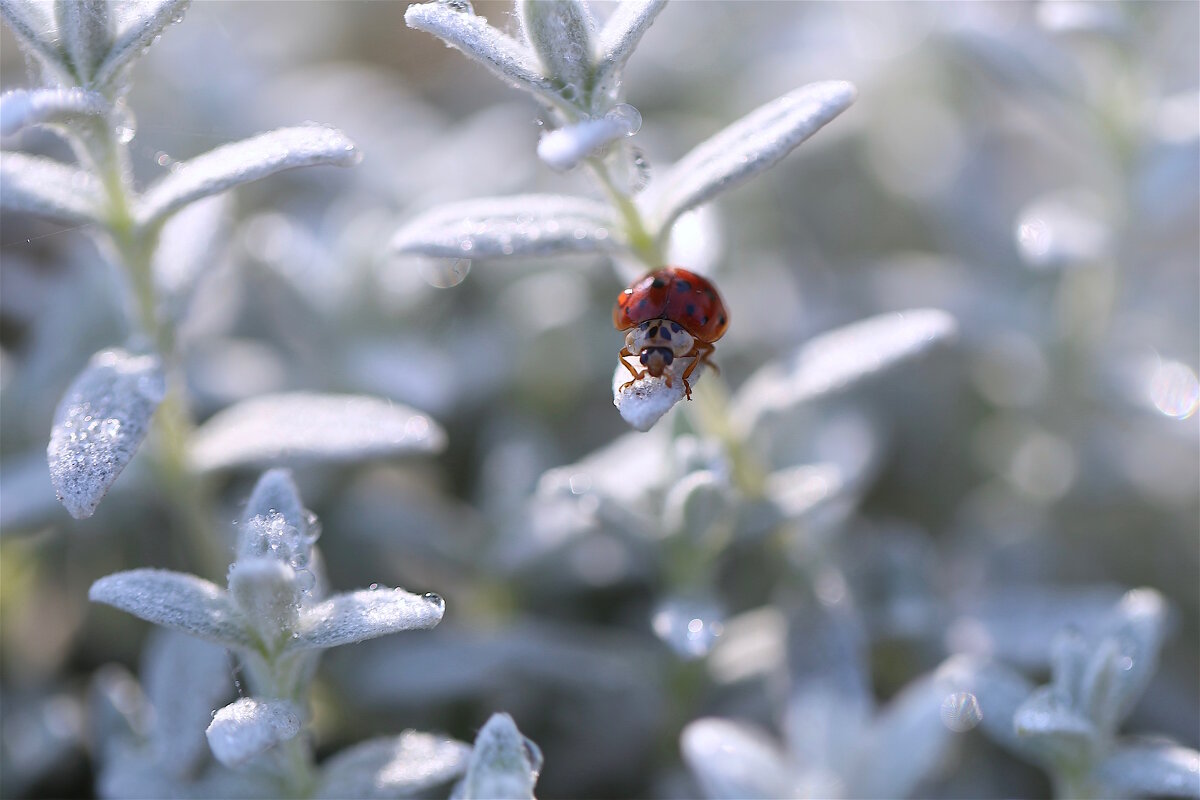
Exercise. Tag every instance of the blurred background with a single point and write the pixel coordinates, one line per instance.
(1031, 168)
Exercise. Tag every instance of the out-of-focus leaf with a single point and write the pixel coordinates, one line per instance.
(734, 761)
(620, 36)
(35, 185)
(398, 766)
(475, 38)
(524, 225)
(175, 600)
(188, 245)
(999, 691)
(248, 728)
(21, 108)
(29, 22)
(749, 146)
(504, 764)
(905, 745)
(243, 162)
(560, 32)
(367, 614)
(85, 30)
(838, 360)
(99, 424)
(137, 34)
(1054, 728)
(1150, 768)
(26, 497)
(1139, 627)
(306, 428)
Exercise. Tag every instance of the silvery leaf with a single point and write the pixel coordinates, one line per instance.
(646, 400)
(749, 146)
(137, 34)
(905, 744)
(173, 660)
(85, 29)
(1149, 768)
(1056, 730)
(504, 765)
(735, 761)
(475, 38)
(999, 692)
(306, 428)
(188, 245)
(366, 614)
(174, 600)
(563, 148)
(30, 24)
(560, 32)
(35, 185)
(21, 108)
(248, 728)
(620, 36)
(524, 225)
(99, 424)
(398, 766)
(243, 162)
(1069, 661)
(276, 493)
(1138, 627)
(268, 594)
(840, 359)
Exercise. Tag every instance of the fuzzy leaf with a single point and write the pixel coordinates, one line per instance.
(29, 24)
(243, 162)
(136, 35)
(268, 595)
(1148, 768)
(560, 32)
(563, 148)
(504, 764)
(620, 36)
(21, 108)
(307, 428)
(398, 766)
(366, 614)
(248, 728)
(753, 144)
(276, 493)
(34, 185)
(1054, 728)
(524, 225)
(85, 29)
(99, 424)
(840, 359)
(187, 246)
(645, 401)
(734, 761)
(1139, 627)
(475, 38)
(174, 600)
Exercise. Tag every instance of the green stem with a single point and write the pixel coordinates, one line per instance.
(709, 413)
(644, 245)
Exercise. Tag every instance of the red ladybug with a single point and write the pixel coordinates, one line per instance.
(670, 313)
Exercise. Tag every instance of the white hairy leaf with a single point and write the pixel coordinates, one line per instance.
(366, 614)
(840, 359)
(620, 36)
(1150, 768)
(503, 56)
(563, 148)
(749, 146)
(276, 494)
(524, 225)
(99, 424)
(137, 33)
(397, 766)
(305, 428)
(734, 761)
(85, 30)
(31, 24)
(268, 595)
(504, 764)
(45, 188)
(248, 728)
(243, 162)
(560, 32)
(1055, 728)
(645, 401)
(21, 108)
(175, 600)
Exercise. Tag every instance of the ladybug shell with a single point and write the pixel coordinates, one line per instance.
(675, 294)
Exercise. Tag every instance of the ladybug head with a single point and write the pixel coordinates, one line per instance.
(656, 360)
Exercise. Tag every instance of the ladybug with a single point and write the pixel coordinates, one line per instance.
(670, 313)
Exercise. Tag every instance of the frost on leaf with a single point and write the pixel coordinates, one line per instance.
(749, 146)
(367, 614)
(399, 766)
(45, 188)
(560, 32)
(174, 600)
(248, 728)
(85, 32)
(99, 424)
(306, 428)
(143, 26)
(563, 148)
(243, 162)
(30, 23)
(620, 36)
(21, 108)
(504, 764)
(524, 225)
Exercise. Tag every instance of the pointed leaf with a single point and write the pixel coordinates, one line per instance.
(367, 614)
(243, 162)
(99, 424)
(1148, 768)
(248, 728)
(29, 22)
(276, 494)
(137, 34)
(307, 428)
(504, 764)
(1139, 626)
(735, 761)
(563, 148)
(475, 38)
(840, 359)
(174, 600)
(524, 225)
(1054, 728)
(21, 108)
(400, 766)
(34, 185)
(268, 596)
(560, 32)
(85, 29)
(620, 36)
(749, 146)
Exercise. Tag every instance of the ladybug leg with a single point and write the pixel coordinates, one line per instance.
(699, 354)
(621, 356)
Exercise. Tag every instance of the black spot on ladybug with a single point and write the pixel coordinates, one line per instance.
(721, 321)
(654, 332)
(689, 310)
(666, 334)
(704, 321)
(711, 294)
(643, 303)
(682, 286)
(674, 327)
(657, 283)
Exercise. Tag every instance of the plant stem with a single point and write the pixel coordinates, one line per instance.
(641, 242)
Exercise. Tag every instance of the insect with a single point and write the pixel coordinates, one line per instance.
(670, 313)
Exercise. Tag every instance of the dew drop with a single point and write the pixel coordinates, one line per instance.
(628, 116)
(435, 599)
(641, 171)
(461, 6)
(690, 627)
(374, 587)
(961, 712)
(124, 123)
(444, 273)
